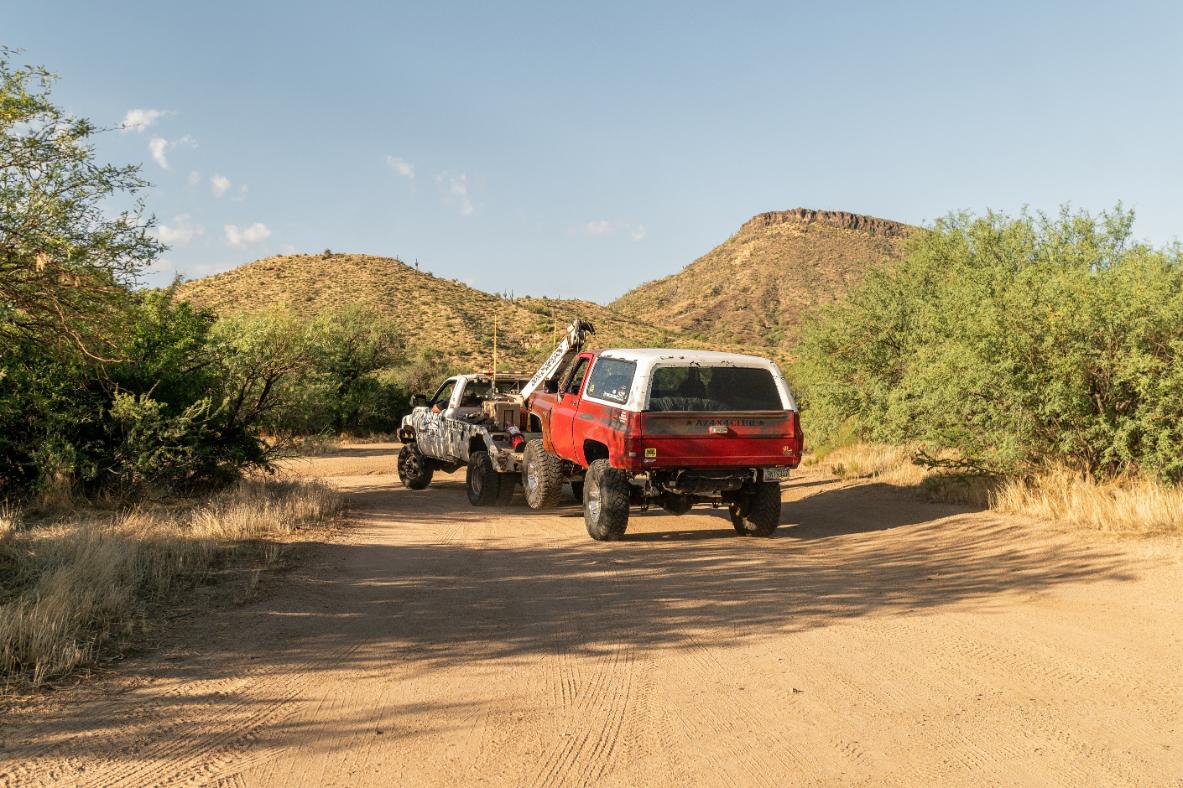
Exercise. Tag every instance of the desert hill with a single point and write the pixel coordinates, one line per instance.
(749, 293)
(434, 315)
(753, 289)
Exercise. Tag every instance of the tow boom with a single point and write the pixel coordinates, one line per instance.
(572, 343)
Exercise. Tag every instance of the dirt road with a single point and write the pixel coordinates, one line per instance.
(876, 640)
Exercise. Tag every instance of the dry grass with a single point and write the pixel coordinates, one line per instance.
(886, 464)
(350, 439)
(320, 444)
(1126, 506)
(73, 589)
(1133, 506)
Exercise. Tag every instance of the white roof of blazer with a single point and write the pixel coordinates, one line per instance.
(648, 358)
(652, 356)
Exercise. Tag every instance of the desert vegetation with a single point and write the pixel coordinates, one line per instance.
(1044, 354)
(129, 418)
(81, 585)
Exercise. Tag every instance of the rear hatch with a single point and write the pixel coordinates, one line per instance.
(719, 439)
(716, 416)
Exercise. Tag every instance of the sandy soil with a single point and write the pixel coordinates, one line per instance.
(877, 640)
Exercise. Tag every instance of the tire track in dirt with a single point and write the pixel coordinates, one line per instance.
(602, 705)
(881, 641)
(224, 748)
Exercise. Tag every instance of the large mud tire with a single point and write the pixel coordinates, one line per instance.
(482, 482)
(542, 476)
(606, 493)
(414, 469)
(759, 513)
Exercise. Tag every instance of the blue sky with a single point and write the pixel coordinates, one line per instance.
(579, 149)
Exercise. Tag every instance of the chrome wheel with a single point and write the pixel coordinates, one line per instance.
(593, 504)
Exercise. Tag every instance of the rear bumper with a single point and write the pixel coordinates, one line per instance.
(707, 481)
(643, 464)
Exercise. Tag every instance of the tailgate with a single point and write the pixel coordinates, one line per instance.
(707, 439)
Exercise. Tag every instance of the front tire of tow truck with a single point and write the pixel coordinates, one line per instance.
(606, 494)
(757, 513)
(542, 476)
(414, 470)
(481, 481)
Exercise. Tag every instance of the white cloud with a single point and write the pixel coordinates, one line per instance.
(180, 231)
(220, 184)
(236, 236)
(605, 228)
(401, 166)
(139, 119)
(194, 177)
(159, 148)
(456, 187)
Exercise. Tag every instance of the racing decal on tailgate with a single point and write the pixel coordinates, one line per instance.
(750, 424)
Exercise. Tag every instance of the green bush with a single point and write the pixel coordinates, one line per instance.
(345, 384)
(155, 451)
(1017, 342)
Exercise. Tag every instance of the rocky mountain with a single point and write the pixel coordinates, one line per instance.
(750, 292)
(754, 288)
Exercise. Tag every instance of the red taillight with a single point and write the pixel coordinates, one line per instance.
(798, 435)
(630, 423)
(515, 438)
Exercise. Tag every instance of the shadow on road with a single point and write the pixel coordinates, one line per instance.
(421, 598)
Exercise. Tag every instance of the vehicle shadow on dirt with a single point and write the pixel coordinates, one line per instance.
(430, 601)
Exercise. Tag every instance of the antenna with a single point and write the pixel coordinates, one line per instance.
(494, 352)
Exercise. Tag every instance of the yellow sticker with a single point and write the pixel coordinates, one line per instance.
(650, 452)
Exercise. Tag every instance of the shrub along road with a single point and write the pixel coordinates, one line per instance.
(876, 639)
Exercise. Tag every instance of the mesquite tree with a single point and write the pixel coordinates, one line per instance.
(67, 258)
(1019, 342)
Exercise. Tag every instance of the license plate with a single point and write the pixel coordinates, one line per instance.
(775, 474)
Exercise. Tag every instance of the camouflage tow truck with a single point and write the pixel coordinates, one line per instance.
(480, 422)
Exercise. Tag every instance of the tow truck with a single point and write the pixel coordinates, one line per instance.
(479, 421)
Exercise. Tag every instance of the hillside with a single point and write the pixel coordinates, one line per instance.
(435, 315)
(747, 293)
(753, 289)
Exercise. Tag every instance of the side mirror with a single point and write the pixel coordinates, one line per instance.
(551, 387)
(418, 400)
